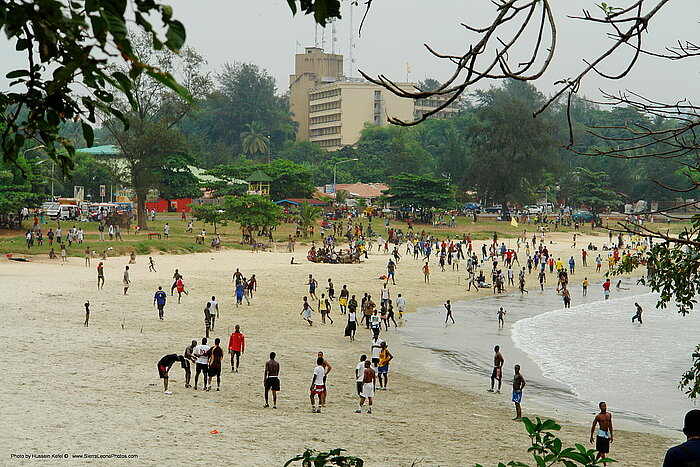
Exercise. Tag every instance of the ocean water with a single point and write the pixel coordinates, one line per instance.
(596, 351)
(571, 358)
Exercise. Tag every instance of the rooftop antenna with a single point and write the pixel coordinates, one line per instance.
(316, 35)
(334, 38)
(352, 45)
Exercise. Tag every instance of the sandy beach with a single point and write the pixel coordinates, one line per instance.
(74, 390)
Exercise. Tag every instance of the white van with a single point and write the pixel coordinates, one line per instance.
(64, 211)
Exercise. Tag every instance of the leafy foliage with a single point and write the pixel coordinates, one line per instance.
(548, 450)
(289, 180)
(593, 189)
(253, 211)
(72, 43)
(420, 192)
(307, 216)
(311, 458)
(21, 186)
(210, 214)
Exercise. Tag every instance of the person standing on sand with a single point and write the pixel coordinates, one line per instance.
(312, 283)
(359, 373)
(236, 346)
(605, 432)
(126, 280)
(318, 385)
(215, 355)
(426, 273)
(207, 322)
(501, 317)
(331, 289)
(638, 315)
(186, 363)
(306, 311)
(518, 385)
(200, 352)
(368, 383)
(100, 276)
(159, 300)
(585, 286)
(684, 454)
(164, 365)
(448, 307)
(326, 370)
(385, 358)
(497, 374)
(542, 277)
(324, 307)
(87, 314)
(343, 299)
(64, 253)
(271, 380)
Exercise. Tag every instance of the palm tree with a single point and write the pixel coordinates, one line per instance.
(255, 142)
(307, 216)
(341, 197)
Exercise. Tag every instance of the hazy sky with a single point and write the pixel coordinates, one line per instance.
(264, 32)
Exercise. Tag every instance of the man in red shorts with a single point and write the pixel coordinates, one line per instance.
(318, 386)
(164, 365)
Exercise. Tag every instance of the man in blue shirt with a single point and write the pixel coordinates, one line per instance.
(688, 453)
(159, 300)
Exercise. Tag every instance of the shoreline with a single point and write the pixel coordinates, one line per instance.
(471, 372)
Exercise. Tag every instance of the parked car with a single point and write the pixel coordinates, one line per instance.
(583, 216)
(532, 209)
(495, 209)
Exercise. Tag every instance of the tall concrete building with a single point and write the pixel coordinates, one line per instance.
(332, 109)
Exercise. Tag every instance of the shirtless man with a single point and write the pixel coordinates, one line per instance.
(497, 369)
(605, 431)
(448, 307)
(501, 317)
(368, 384)
(518, 385)
(271, 380)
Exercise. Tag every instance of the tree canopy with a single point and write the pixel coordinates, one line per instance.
(420, 192)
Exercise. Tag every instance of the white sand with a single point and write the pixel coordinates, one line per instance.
(76, 390)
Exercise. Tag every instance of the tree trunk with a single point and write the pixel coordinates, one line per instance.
(141, 216)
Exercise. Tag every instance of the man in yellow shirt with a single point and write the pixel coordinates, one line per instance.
(383, 370)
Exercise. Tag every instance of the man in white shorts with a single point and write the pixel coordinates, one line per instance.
(213, 311)
(401, 305)
(368, 382)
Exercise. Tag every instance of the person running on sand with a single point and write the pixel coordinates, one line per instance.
(151, 264)
(331, 290)
(390, 314)
(271, 380)
(176, 276)
(180, 285)
(236, 346)
(567, 297)
(159, 301)
(213, 311)
(126, 280)
(215, 355)
(306, 311)
(518, 385)
(448, 307)
(369, 380)
(638, 314)
(318, 385)
(501, 313)
(605, 432)
(164, 365)
(87, 314)
(100, 276)
(497, 374)
(401, 305)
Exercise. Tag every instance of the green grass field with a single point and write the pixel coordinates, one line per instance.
(181, 242)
